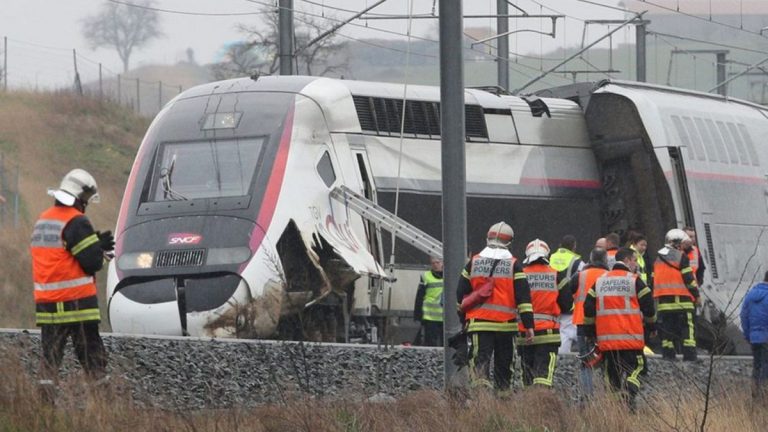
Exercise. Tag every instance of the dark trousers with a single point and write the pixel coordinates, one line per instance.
(87, 343)
(538, 363)
(760, 370)
(622, 373)
(497, 345)
(585, 373)
(433, 333)
(676, 330)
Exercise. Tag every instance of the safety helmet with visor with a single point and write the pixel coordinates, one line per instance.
(500, 235)
(76, 184)
(675, 237)
(536, 249)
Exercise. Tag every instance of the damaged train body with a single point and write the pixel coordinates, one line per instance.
(229, 225)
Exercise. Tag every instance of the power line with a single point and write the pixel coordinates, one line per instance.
(700, 18)
(179, 12)
(707, 42)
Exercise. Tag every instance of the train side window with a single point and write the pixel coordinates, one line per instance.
(729, 144)
(685, 140)
(695, 139)
(325, 169)
(719, 145)
(708, 144)
(739, 143)
(750, 144)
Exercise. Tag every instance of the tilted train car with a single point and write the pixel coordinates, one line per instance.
(228, 227)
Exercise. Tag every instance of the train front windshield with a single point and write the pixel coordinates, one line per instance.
(205, 169)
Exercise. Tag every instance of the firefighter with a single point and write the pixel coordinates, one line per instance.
(565, 259)
(549, 295)
(579, 286)
(695, 258)
(428, 308)
(612, 242)
(66, 254)
(492, 292)
(612, 315)
(677, 293)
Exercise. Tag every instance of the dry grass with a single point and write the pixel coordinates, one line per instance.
(46, 135)
(83, 408)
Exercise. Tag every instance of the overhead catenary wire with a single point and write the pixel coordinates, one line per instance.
(181, 12)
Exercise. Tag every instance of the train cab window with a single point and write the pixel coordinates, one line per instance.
(749, 144)
(729, 144)
(325, 169)
(717, 140)
(205, 169)
(739, 144)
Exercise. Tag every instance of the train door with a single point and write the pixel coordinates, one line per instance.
(683, 208)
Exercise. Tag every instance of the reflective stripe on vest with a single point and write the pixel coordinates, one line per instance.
(668, 280)
(500, 306)
(618, 320)
(563, 259)
(642, 271)
(610, 256)
(56, 273)
(587, 278)
(542, 281)
(432, 308)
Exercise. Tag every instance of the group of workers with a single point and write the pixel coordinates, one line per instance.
(545, 302)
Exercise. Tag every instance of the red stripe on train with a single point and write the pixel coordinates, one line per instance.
(554, 182)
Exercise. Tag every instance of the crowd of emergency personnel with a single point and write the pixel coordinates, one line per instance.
(540, 305)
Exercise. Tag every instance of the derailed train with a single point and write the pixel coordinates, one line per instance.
(228, 226)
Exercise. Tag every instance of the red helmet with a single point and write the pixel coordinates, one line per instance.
(500, 235)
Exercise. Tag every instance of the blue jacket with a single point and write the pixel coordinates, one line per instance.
(754, 314)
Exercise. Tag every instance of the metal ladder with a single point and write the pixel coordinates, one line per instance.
(385, 219)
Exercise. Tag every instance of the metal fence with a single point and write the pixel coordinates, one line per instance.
(35, 67)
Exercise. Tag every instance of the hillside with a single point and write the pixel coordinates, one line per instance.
(46, 135)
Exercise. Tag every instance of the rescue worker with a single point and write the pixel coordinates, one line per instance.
(491, 323)
(639, 244)
(549, 295)
(754, 324)
(565, 259)
(612, 242)
(66, 254)
(695, 258)
(612, 315)
(600, 243)
(676, 291)
(428, 308)
(579, 287)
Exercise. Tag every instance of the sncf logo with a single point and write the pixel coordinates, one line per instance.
(184, 239)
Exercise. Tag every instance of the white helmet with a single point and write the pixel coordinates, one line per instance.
(500, 235)
(535, 250)
(77, 184)
(675, 237)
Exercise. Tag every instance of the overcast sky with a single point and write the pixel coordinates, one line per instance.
(42, 33)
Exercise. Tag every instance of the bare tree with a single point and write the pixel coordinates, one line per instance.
(259, 52)
(123, 28)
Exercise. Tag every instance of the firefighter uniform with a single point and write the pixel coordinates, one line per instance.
(611, 256)
(549, 295)
(491, 325)
(616, 308)
(697, 263)
(429, 307)
(676, 291)
(66, 253)
(580, 285)
(642, 270)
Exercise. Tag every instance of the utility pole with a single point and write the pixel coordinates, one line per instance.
(78, 85)
(720, 61)
(453, 168)
(285, 30)
(5, 63)
(502, 28)
(640, 55)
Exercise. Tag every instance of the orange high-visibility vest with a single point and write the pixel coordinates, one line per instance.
(542, 281)
(610, 256)
(618, 320)
(587, 278)
(693, 258)
(668, 280)
(57, 275)
(500, 306)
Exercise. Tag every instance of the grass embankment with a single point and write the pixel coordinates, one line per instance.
(83, 408)
(46, 135)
